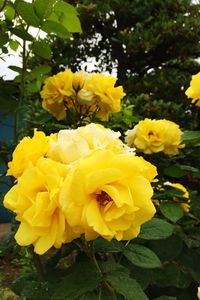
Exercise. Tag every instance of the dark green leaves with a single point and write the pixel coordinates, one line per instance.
(103, 245)
(172, 210)
(126, 286)
(21, 33)
(82, 278)
(191, 137)
(142, 256)
(156, 229)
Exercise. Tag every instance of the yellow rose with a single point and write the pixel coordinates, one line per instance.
(109, 195)
(194, 90)
(107, 95)
(57, 94)
(185, 205)
(74, 144)
(198, 292)
(34, 199)
(151, 136)
(79, 79)
(29, 150)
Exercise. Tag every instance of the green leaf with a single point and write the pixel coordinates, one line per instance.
(171, 210)
(89, 296)
(126, 286)
(21, 33)
(72, 23)
(103, 245)
(82, 278)
(63, 7)
(26, 11)
(142, 256)
(191, 137)
(16, 69)
(111, 267)
(142, 276)
(14, 45)
(68, 16)
(174, 171)
(50, 26)
(43, 8)
(4, 38)
(167, 249)
(165, 298)
(171, 275)
(9, 12)
(156, 229)
(42, 49)
(39, 71)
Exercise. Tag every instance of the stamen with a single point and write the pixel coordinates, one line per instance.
(103, 198)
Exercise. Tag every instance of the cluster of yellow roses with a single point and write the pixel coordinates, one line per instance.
(86, 181)
(79, 181)
(152, 136)
(81, 92)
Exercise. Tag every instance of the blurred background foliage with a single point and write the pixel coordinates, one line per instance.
(153, 47)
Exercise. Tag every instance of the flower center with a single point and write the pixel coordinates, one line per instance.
(150, 133)
(103, 198)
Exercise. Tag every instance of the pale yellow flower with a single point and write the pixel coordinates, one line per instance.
(194, 90)
(109, 195)
(185, 205)
(72, 144)
(151, 136)
(34, 199)
(57, 94)
(29, 150)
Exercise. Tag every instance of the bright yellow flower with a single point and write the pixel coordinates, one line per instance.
(107, 97)
(185, 206)
(151, 136)
(75, 144)
(34, 199)
(109, 195)
(198, 292)
(29, 150)
(194, 90)
(79, 79)
(57, 94)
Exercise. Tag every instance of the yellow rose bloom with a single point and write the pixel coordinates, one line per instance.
(152, 136)
(29, 150)
(194, 90)
(72, 145)
(34, 199)
(107, 97)
(57, 93)
(185, 206)
(198, 292)
(109, 195)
